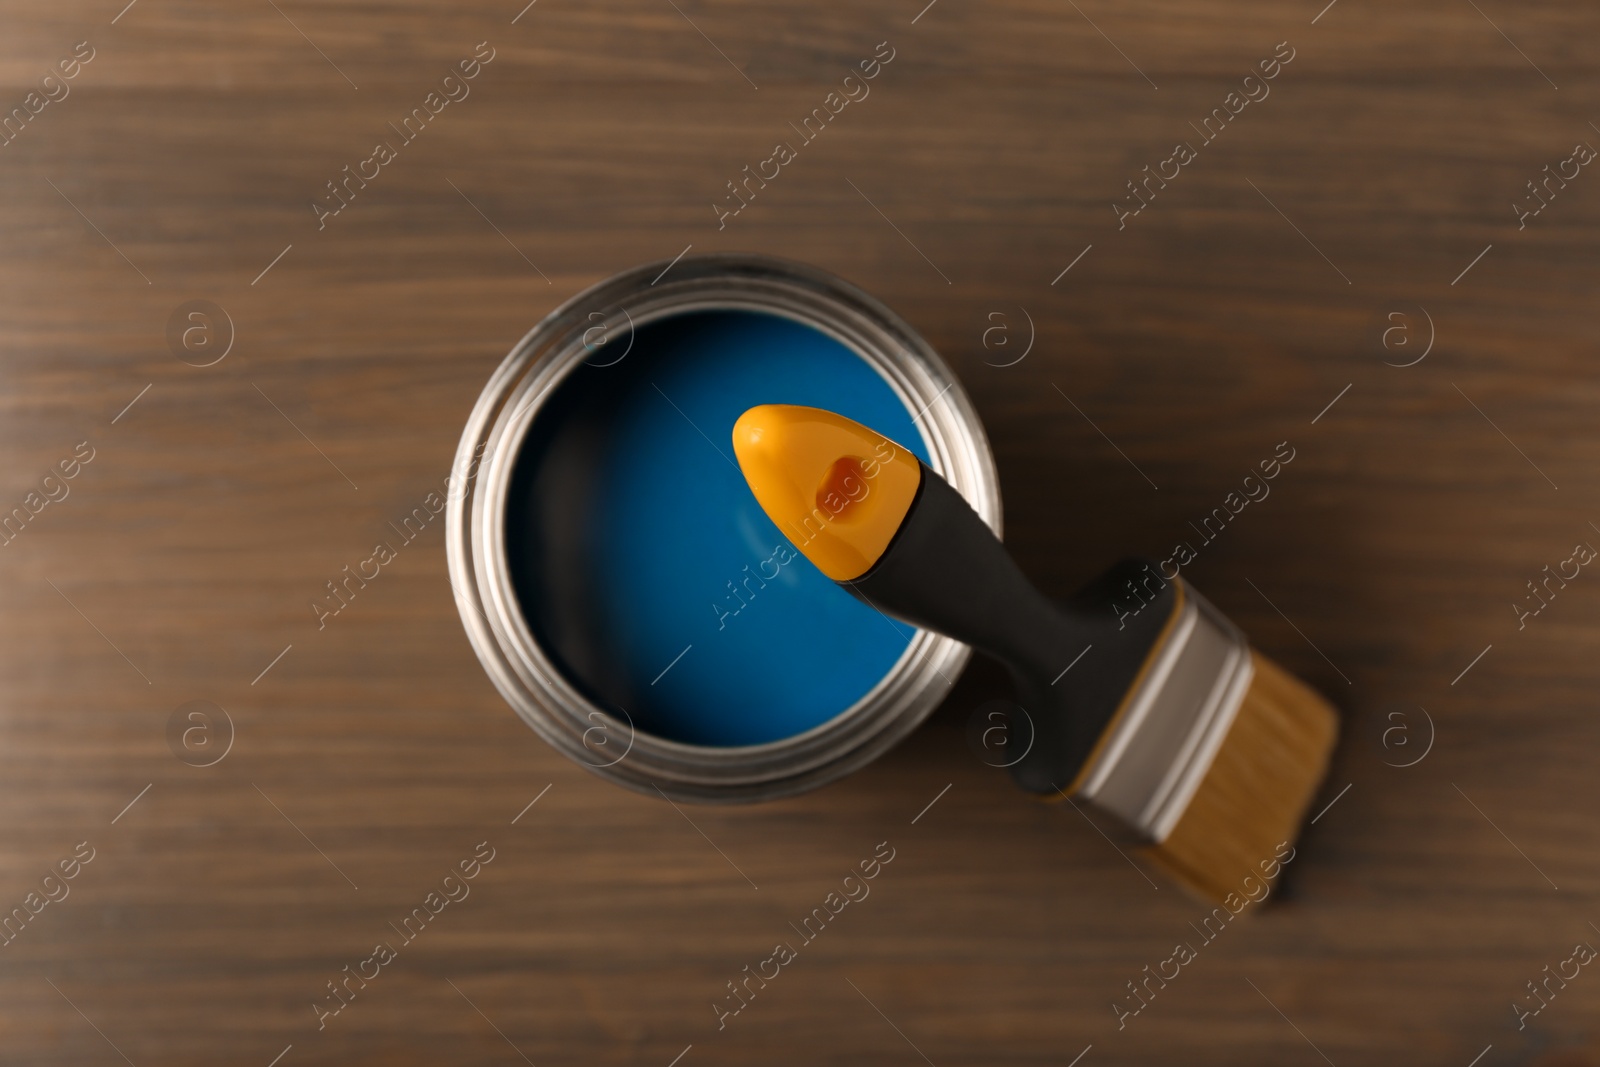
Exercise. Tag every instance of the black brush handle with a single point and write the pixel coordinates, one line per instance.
(946, 571)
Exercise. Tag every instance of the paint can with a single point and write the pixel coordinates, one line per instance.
(595, 330)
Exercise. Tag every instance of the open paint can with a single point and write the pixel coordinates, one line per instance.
(621, 585)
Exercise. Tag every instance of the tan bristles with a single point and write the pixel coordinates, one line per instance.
(1257, 790)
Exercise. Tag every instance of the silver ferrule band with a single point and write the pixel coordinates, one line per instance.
(1164, 741)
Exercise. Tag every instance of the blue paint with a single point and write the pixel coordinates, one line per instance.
(634, 536)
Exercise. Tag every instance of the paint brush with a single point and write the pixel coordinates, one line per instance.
(1142, 698)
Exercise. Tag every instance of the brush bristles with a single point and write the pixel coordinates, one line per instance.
(1258, 788)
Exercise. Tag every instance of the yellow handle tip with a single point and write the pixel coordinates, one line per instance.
(834, 488)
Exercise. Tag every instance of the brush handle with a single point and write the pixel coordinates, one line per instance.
(946, 571)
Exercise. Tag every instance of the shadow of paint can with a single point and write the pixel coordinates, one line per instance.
(621, 586)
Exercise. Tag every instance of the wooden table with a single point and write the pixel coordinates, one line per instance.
(1255, 299)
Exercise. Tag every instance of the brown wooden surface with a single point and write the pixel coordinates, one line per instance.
(1196, 339)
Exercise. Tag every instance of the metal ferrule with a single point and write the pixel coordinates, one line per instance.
(1162, 744)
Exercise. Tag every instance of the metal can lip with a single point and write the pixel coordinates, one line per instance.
(475, 523)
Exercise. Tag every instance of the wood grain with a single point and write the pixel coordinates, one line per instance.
(1220, 321)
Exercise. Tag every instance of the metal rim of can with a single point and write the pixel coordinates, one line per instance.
(480, 480)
